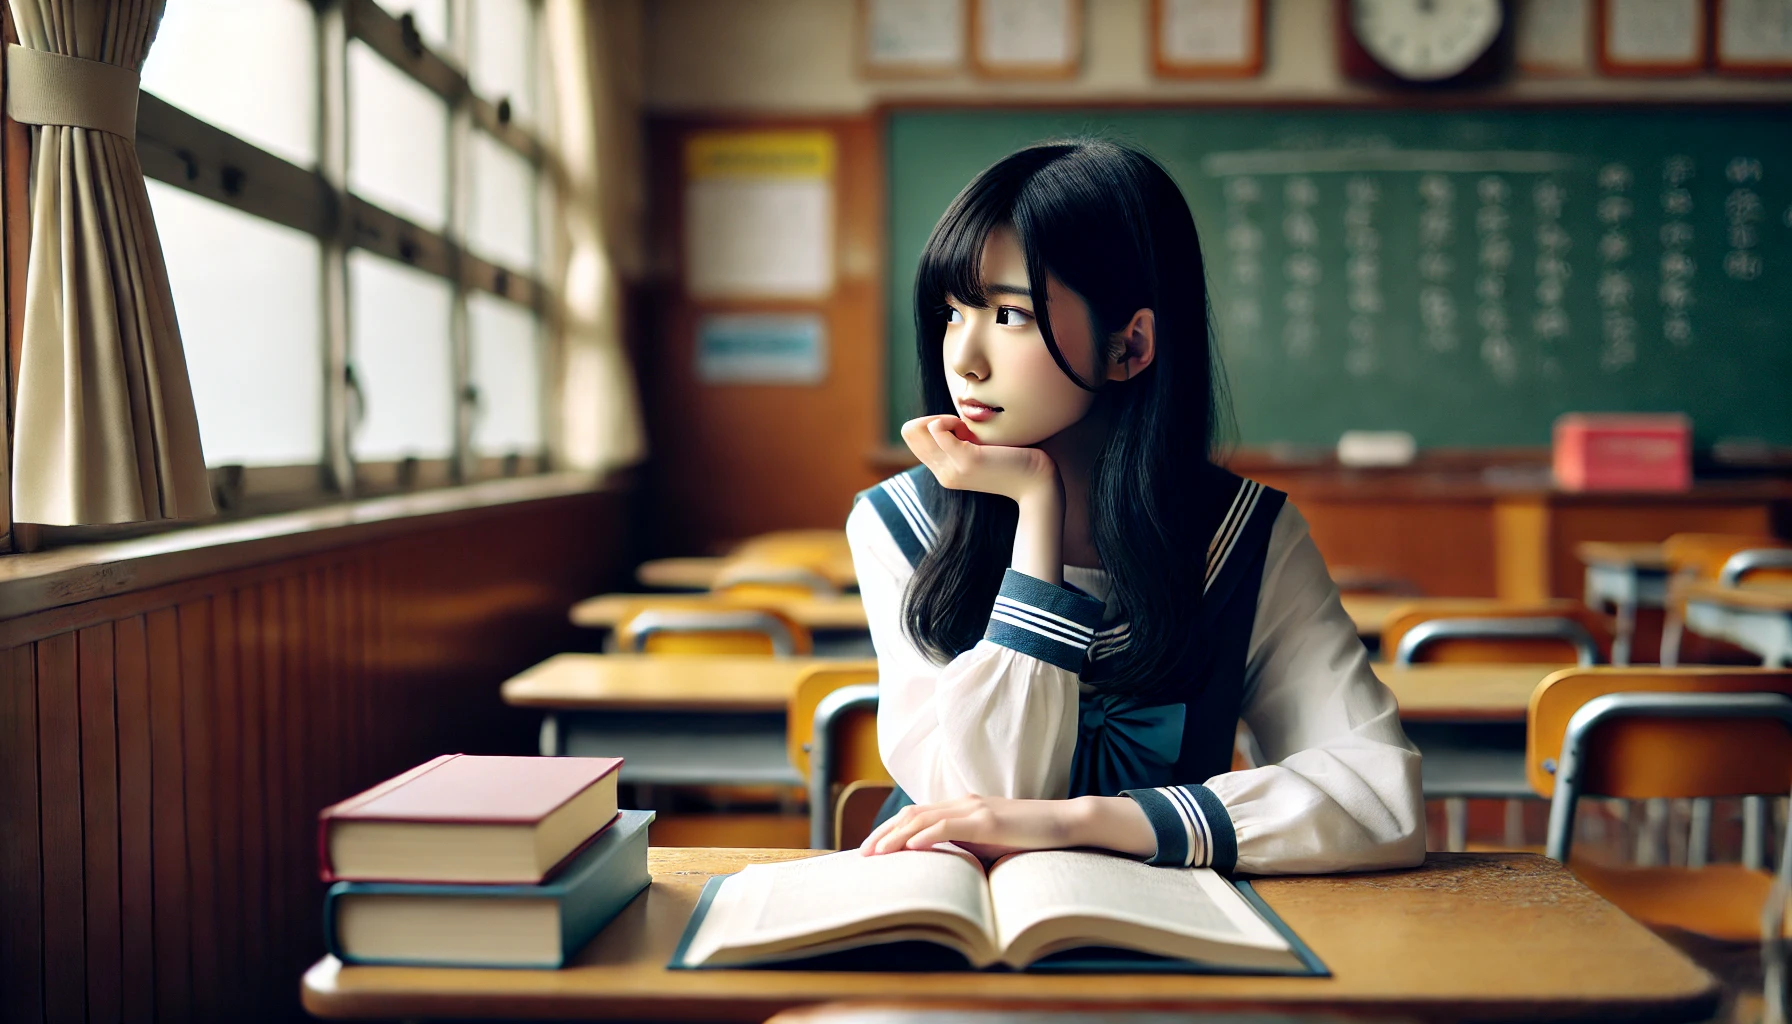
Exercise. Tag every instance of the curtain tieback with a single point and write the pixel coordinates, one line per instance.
(53, 88)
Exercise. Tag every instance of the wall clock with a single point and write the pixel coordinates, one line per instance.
(1423, 42)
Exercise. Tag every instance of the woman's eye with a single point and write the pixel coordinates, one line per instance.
(1008, 316)
(953, 316)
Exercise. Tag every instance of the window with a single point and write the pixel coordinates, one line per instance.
(349, 197)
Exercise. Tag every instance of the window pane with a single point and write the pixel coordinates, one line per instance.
(398, 140)
(507, 372)
(501, 45)
(398, 342)
(502, 227)
(247, 66)
(246, 293)
(431, 17)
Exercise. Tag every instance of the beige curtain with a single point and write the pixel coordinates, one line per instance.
(591, 45)
(104, 428)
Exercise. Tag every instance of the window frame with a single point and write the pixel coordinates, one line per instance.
(183, 150)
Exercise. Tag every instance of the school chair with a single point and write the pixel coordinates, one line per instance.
(1461, 763)
(1694, 557)
(743, 580)
(831, 729)
(1659, 733)
(684, 629)
(1477, 631)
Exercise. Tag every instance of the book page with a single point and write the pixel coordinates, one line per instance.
(770, 910)
(1029, 888)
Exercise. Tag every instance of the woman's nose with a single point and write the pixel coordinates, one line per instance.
(964, 353)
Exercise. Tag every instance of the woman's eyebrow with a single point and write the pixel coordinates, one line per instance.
(1009, 289)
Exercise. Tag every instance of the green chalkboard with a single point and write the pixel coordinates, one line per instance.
(1466, 275)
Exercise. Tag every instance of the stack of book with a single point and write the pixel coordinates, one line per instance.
(471, 861)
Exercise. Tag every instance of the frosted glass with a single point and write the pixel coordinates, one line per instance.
(246, 293)
(507, 371)
(398, 343)
(502, 225)
(247, 66)
(398, 140)
(502, 46)
(431, 17)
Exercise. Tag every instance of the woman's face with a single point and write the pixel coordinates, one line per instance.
(1003, 380)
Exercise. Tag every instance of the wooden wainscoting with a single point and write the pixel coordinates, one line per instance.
(164, 753)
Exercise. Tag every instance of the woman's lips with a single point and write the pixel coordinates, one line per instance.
(976, 411)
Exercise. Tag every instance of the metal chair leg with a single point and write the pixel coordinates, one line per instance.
(1754, 833)
(1456, 824)
(1698, 837)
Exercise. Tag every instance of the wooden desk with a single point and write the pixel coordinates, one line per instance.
(700, 573)
(1476, 935)
(1627, 577)
(1369, 611)
(1755, 618)
(673, 720)
(1463, 693)
(835, 614)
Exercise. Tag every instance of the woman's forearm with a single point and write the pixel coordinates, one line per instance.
(1039, 533)
(1111, 823)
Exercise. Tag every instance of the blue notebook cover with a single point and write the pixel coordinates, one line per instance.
(911, 956)
(591, 889)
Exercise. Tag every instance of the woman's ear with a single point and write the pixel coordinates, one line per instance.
(1133, 347)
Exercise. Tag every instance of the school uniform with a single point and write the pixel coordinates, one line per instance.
(1023, 713)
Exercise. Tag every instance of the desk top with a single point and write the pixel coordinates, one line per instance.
(646, 682)
(1463, 693)
(844, 612)
(700, 573)
(658, 682)
(1369, 611)
(1767, 597)
(1616, 555)
(1480, 935)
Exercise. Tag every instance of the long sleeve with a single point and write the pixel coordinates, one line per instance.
(1341, 789)
(999, 719)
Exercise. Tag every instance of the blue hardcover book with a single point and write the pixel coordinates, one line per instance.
(433, 925)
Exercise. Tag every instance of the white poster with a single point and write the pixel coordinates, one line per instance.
(759, 215)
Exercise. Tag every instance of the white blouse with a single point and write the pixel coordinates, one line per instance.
(1340, 789)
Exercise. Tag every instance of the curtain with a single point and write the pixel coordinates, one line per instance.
(104, 429)
(600, 416)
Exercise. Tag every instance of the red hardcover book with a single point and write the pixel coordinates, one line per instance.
(470, 819)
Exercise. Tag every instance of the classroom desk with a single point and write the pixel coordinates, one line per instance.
(1627, 577)
(841, 613)
(1463, 694)
(673, 720)
(1756, 618)
(700, 573)
(1369, 611)
(1475, 935)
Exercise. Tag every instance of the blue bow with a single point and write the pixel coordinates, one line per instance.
(1121, 745)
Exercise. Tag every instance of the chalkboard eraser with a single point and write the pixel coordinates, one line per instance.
(1376, 448)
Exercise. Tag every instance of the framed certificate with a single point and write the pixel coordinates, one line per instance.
(1554, 37)
(1652, 37)
(1207, 38)
(911, 38)
(1754, 37)
(1027, 38)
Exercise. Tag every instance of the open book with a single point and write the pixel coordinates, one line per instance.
(1022, 910)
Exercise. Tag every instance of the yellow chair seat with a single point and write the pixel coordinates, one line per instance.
(1721, 901)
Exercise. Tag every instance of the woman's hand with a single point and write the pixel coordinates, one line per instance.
(945, 445)
(987, 826)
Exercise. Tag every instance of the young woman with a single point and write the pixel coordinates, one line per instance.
(1072, 605)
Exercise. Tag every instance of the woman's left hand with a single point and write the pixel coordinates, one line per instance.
(988, 826)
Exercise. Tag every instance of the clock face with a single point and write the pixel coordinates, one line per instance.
(1426, 40)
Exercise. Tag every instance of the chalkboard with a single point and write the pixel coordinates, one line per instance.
(1463, 274)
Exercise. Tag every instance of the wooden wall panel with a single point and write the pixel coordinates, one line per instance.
(161, 770)
(21, 877)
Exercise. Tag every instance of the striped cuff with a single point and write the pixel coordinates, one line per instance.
(1191, 825)
(1050, 623)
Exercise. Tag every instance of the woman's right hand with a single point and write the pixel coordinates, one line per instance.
(945, 445)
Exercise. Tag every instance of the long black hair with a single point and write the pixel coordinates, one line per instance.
(1108, 222)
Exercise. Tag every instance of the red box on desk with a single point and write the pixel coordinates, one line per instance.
(1623, 452)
